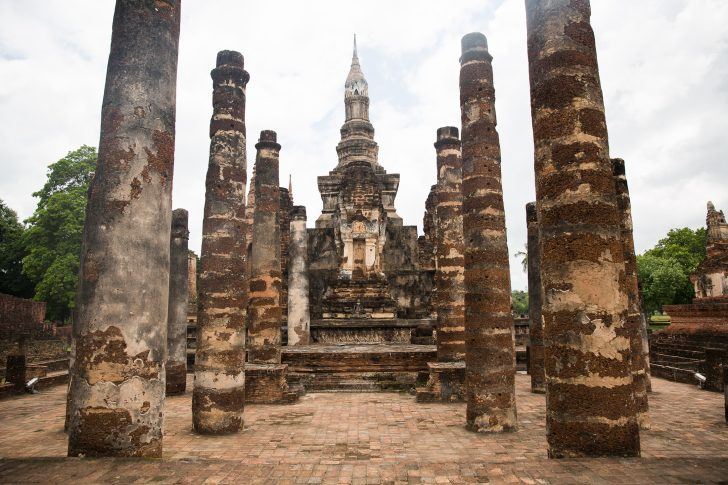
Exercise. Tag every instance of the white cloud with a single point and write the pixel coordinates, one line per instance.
(662, 62)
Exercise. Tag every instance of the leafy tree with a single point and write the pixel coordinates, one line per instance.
(664, 271)
(519, 302)
(12, 251)
(54, 234)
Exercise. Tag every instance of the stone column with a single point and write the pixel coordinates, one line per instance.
(450, 295)
(447, 375)
(176, 367)
(635, 323)
(535, 326)
(490, 356)
(219, 389)
(120, 325)
(264, 309)
(299, 318)
(589, 392)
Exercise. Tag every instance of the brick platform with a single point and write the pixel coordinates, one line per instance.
(368, 367)
(371, 438)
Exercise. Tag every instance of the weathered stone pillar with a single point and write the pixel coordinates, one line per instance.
(634, 320)
(447, 375)
(120, 325)
(265, 376)
(449, 281)
(264, 308)
(490, 356)
(535, 326)
(299, 317)
(219, 389)
(589, 392)
(176, 367)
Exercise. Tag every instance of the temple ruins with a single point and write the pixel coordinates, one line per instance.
(287, 325)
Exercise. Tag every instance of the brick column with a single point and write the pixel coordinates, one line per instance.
(219, 389)
(299, 317)
(589, 392)
(264, 309)
(117, 388)
(535, 326)
(635, 321)
(450, 296)
(176, 367)
(490, 356)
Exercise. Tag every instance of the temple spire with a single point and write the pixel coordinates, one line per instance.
(355, 57)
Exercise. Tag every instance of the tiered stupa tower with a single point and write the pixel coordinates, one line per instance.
(360, 240)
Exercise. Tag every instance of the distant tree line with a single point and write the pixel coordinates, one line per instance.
(39, 257)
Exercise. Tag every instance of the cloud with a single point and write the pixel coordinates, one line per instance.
(662, 63)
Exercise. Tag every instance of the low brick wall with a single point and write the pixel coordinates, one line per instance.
(18, 316)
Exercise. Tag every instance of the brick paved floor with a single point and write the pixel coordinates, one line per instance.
(371, 438)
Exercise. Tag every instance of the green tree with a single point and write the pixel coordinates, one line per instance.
(664, 271)
(519, 302)
(12, 252)
(53, 237)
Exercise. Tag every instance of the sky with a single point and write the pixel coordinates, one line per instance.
(663, 65)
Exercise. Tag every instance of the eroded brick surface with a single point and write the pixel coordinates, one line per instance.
(219, 376)
(120, 338)
(635, 320)
(586, 334)
(490, 355)
(449, 278)
(535, 324)
(372, 438)
(264, 307)
(176, 366)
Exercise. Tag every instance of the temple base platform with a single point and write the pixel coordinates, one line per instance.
(358, 367)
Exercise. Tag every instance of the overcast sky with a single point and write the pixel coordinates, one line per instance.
(664, 65)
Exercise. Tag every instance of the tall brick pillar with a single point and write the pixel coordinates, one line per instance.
(176, 367)
(299, 317)
(265, 378)
(490, 356)
(264, 308)
(589, 392)
(219, 388)
(535, 326)
(447, 375)
(117, 385)
(449, 248)
(635, 321)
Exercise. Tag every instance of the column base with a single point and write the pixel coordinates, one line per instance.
(446, 383)
(267, 384)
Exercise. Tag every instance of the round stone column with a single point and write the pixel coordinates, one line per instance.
(299, 317)
(120, 325)
(176, 367)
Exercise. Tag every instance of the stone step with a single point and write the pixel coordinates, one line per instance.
(671, 373)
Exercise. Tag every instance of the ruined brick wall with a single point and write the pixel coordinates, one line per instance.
(426, 242)
(20, 315)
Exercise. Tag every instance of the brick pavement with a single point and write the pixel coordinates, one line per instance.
(371, 438)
